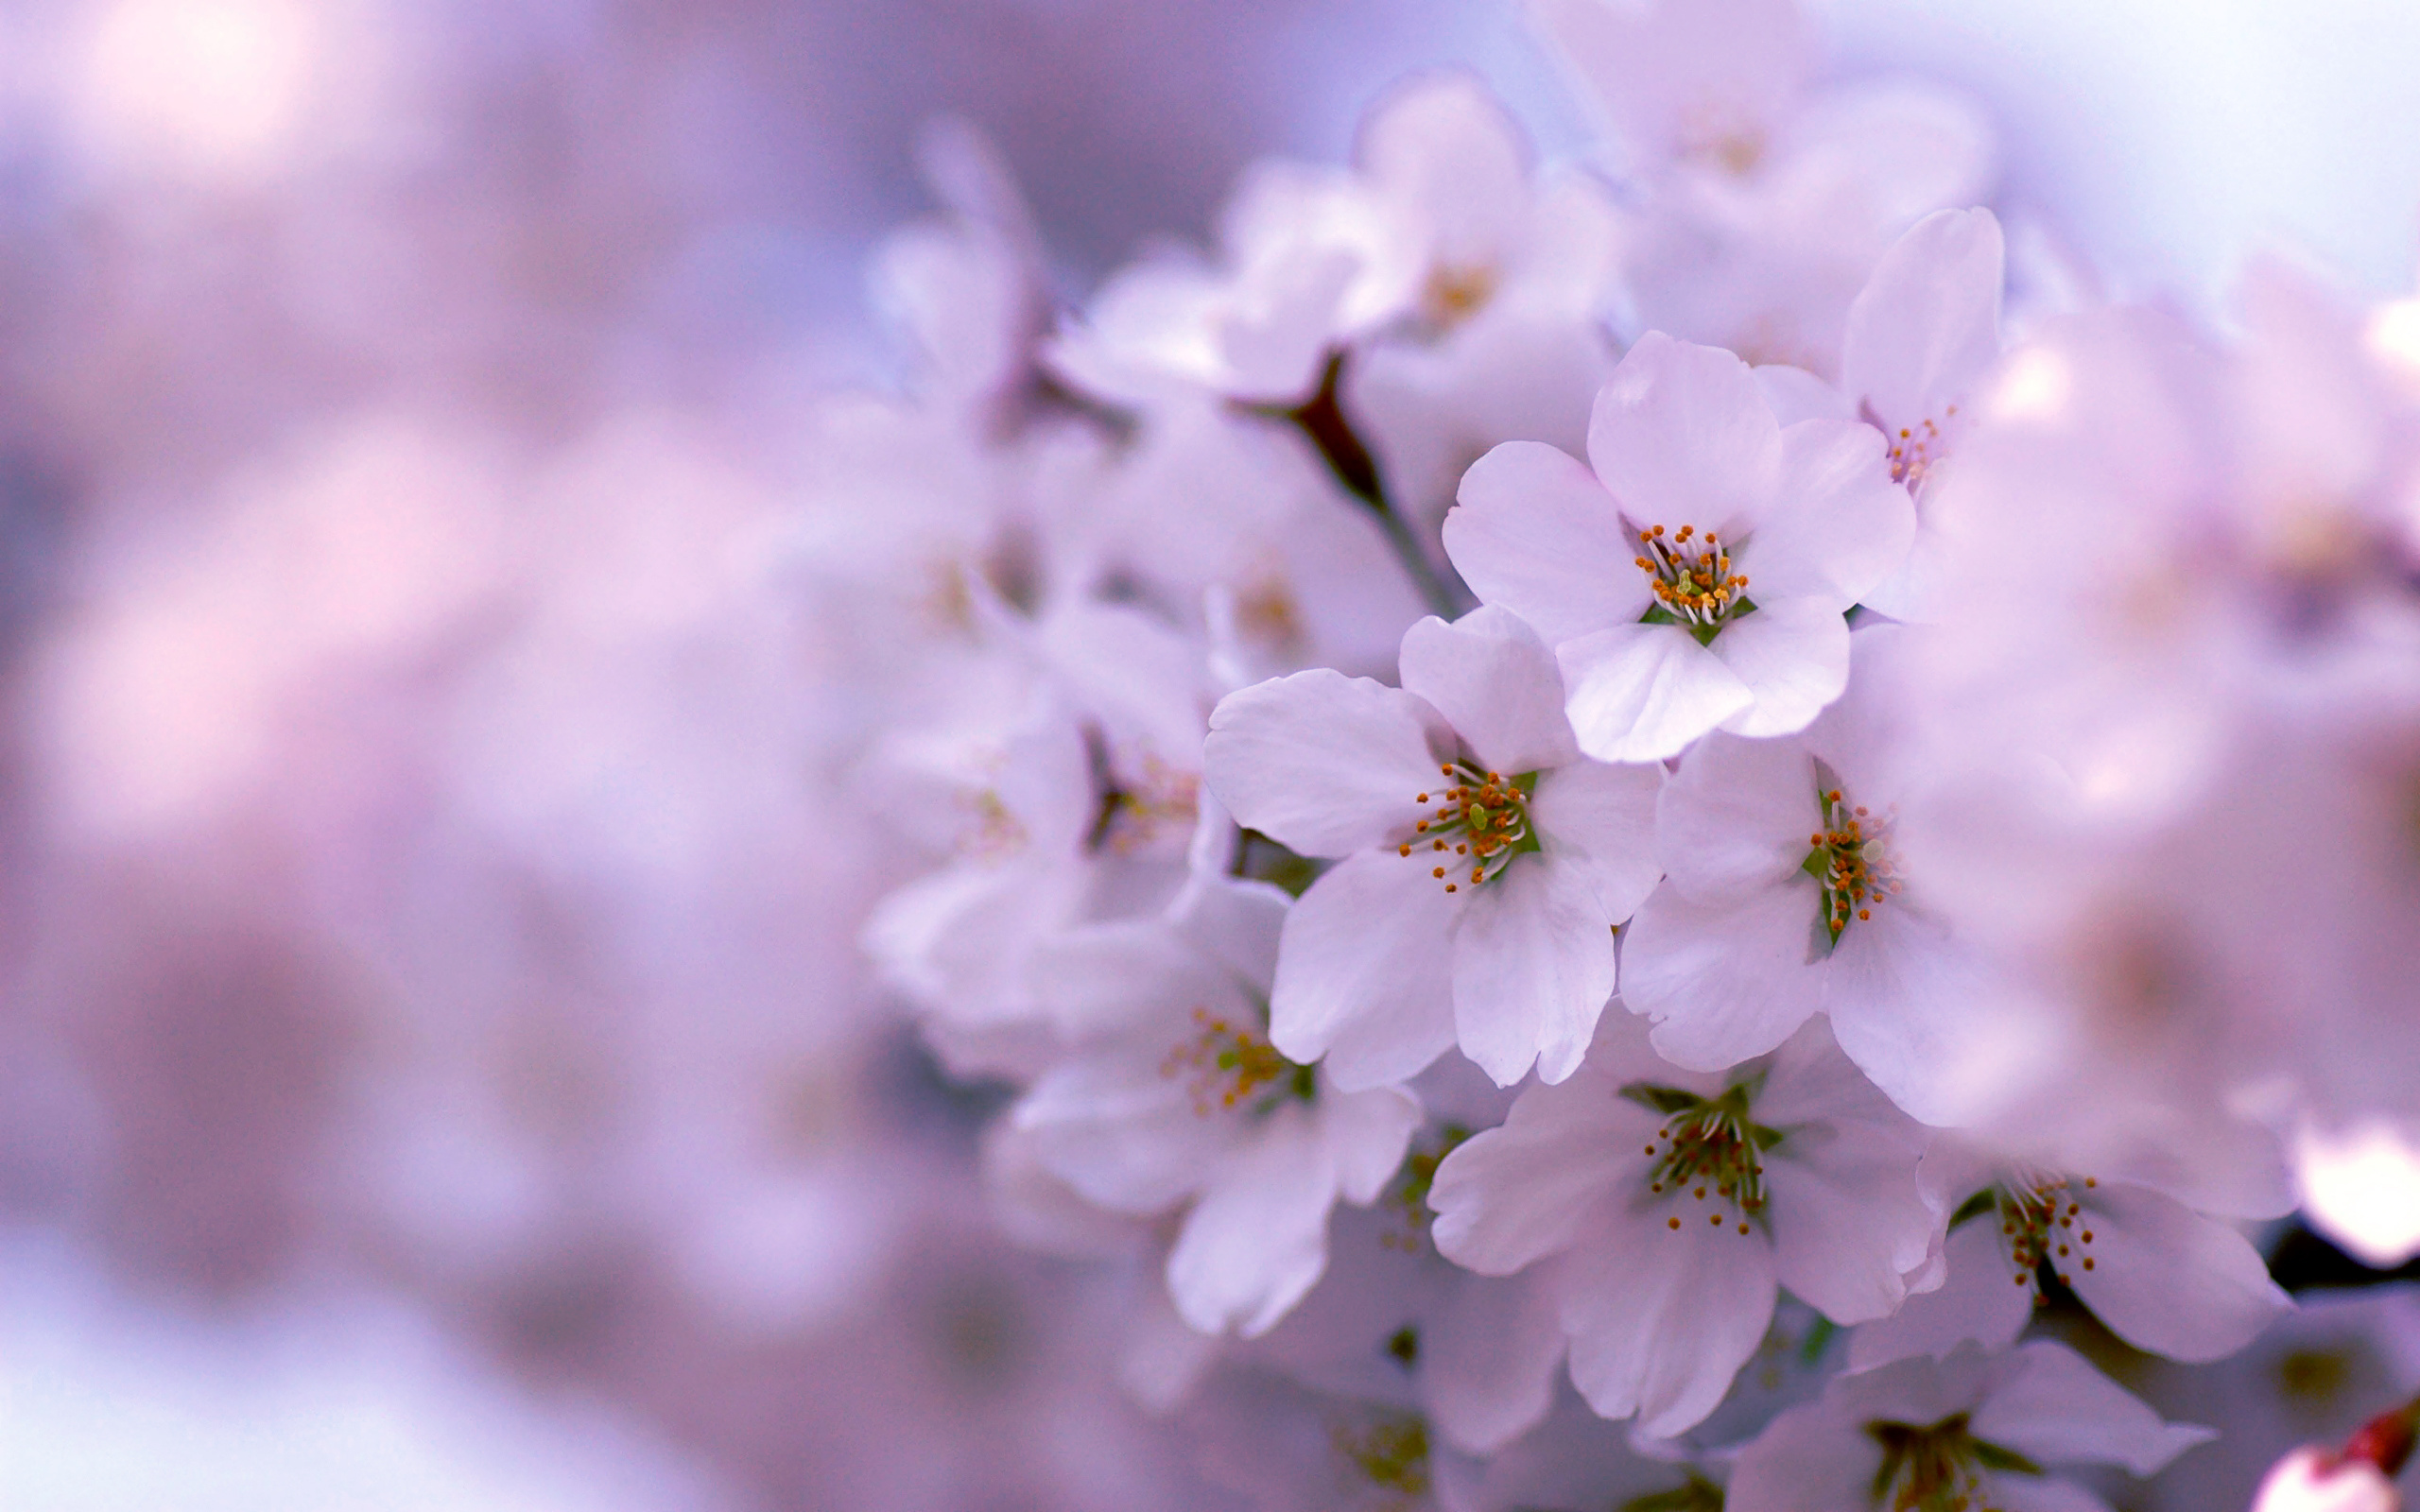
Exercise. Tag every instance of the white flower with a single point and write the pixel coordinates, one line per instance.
(1173, 1096)
(1698, 579)
(1485, 861)
(1923, 336)
(1670, 1206)
(1974, 1431)
(1783, 895)
(2161, 1276)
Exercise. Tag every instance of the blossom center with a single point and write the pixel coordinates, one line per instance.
(1456, 291)
(1393, 1454)
(2041, 1222)
(1938, 1467)
(1692, 580)
(1130, 814)
(1708, 1147)
(1915, 450)
(1850, 860)
(1480, 821)
(1226, 1064)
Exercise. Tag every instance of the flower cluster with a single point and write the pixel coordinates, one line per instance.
(1534, 774)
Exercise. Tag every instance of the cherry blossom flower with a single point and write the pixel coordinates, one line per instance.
(1174, 1097)
(1783, 895)
(1484, 861)
(1697, 580)
(1923, 336)
(2164, 1278)
(1972, 1431)
(1669, 1206)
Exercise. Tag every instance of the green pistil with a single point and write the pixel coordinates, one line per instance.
(1707, 1146)
(1480, 823)
(1938, 1467)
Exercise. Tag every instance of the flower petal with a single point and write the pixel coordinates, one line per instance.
(1895, 991)
(1601, 818)
(1928, 323)
(1681, 435)
(2052, 1407)
(1365, 971)
(1793, 659)
(1496, 683)
(1325, 764)
(1737, 818)
(1516, 1194)
(1641, 693)
(2168, 1280)
(1722, 981)
(1661, 1319)
(1258, 1239)
(1837, 525)
(1982, 1300)
(1486, 1362)
(1534, 532)
(1533, 965)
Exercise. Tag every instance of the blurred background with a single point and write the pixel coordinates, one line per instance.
(434, 1065)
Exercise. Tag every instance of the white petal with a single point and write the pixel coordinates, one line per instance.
(1496, 683)
(2361, 1189)
(2039, 1493)
(1928, 323)
(1441, 147)
(2053, 1408)
(1981, 1301)
(1125, 1136)
(1722, 981)
(1325, 764)
(1486, 1362)
(1659, 1319)
(1838, 526)
(1895, 992)
(1512, 1195)
(1808, 1459)
(1738, 817)
(1367, 1134)
(2167, 1279)
(1534, 532)
(1533, 965)
(1848, 1219)
(1601, 818)
(1641, 693)
(1365, 971)
(1258, 1239)
(1792, 657)
(1681, 435)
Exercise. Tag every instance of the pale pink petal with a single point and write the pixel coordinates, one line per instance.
(1985, 1299)
(1722, 981)
(1325, 764)
(1534, 532)
(1512, 1195)
(1928, 323)
(1641, 693)
(1257, 1239)
(1488, 1362)
(1365, 971)
(1836, 526)
(1793, 659)
(1601, 818)
(1807, 1460)
(2167, 1279)
(1898, 992)
(1681, 437)
(2053, 1408)
(1367, 1133)
(1738, 817)
(1661, 1319)
(1120, 1133)
(1533, 965)
(1441, 147)
(1496, 683)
